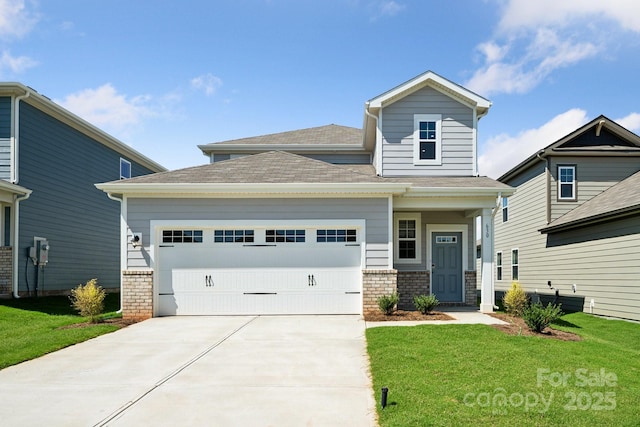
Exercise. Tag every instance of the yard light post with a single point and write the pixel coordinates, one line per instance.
(383, 397)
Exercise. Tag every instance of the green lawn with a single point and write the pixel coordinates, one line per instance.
(30, 327)
(452, 375)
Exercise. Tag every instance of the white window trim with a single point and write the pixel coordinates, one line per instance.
(501, 265)
(396, 241)
(127, 162)
(417, 118)
(512, 265)
(573, 183)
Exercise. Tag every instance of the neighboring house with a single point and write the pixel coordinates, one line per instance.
(49, 162)
(320, 220)
(571, 231)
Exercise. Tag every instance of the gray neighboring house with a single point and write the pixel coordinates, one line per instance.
(571, 231)
(50, 160)
(321, 220)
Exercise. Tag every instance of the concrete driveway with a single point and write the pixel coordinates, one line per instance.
(201, 371)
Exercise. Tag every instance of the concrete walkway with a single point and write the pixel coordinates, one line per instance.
(462, 315)
(201, 371)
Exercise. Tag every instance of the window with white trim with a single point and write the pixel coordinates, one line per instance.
(498, 265)
(408, 238)
(285, 236)
(125, 169)
(505, 209)
(514, 264)
(427, 139)
(181, 236)
(567, 183)
(233, 236)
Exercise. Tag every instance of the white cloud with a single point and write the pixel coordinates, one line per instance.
(208, 83)
(503, 152)
(380, 9)
(535, 38)
(15, 19)
(105, 108)
(631, 122)
(16, 64)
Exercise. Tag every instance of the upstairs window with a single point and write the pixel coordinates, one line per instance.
(505, 209)
(125, 169)
(427, 147)
(514, 264)
(498, 265)
(567, 183)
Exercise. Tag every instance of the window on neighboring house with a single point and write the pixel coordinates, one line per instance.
(125, 169)
(407, 244)
(285, 236)
(427, 149)
(505, 209)
(182, 236)
(514, 264)
(567, 183)
(233, 236)
(498, 265)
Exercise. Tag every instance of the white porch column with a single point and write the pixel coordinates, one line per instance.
(486, 292)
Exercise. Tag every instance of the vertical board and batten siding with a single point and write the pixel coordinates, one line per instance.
(374, 211)
(5, 137)
(601, 260)
(457, 135)
(61, 166)
(593, 176)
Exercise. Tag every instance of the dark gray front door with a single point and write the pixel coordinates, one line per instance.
(446, 269)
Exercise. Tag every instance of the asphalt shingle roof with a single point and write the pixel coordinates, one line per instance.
(621, 197)
(322, 135)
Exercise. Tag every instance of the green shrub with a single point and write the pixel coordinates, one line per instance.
(425, 303)
(538, 317)
(88, 299)
(387, 303)
(515, 300)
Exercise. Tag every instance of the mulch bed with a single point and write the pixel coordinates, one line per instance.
(517, 326)
(378, 316)
(118, 321)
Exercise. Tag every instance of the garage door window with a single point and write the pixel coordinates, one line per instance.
(285, 236)
(340, 235)
(182, 236)
(233, 236)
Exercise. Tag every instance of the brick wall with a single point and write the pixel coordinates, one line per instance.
(137, 294)
(6, 269)
(470, 292)
(410, 284)
(376, 283)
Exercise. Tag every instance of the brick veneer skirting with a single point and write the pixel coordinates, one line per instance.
(376, 283)
(410, 284)
(6, 269)
(137, 294)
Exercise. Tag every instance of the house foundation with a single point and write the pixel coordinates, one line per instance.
(376, 283)
(6, 269)
(137, 294)
(411, 284)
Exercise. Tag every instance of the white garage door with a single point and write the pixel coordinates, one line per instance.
(252, 270)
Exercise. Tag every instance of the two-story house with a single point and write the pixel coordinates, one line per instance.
(571, 231)
(322, 220)
(56, 229)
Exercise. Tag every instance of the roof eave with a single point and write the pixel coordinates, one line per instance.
(592, 220)
(459, 191)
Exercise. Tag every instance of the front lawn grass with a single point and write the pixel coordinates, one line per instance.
(451, 375)
(31, 327)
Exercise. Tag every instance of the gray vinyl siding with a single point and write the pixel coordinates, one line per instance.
(374, 211)
(5, 137)
(602, 260)
(61, 166)
(457, 135)
(594, 175)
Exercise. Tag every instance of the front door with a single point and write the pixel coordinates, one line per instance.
(446, 268)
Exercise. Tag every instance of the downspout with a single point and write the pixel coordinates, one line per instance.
(123, 239)
(16, 240)
(16, 199)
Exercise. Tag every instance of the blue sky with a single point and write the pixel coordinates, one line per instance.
(164, 76)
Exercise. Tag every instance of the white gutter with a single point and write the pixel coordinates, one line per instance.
(16, 239)
(16, 136)
(123, 240)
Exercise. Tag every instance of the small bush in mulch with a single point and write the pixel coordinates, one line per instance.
(517, 326)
